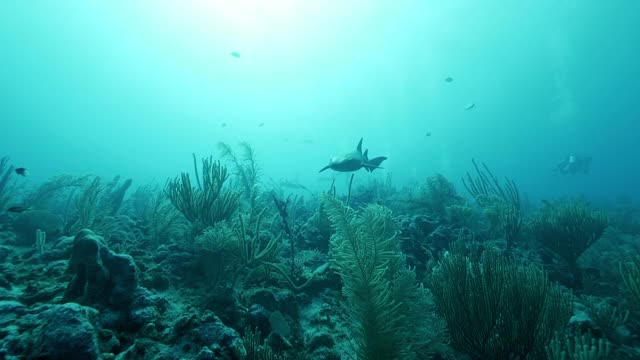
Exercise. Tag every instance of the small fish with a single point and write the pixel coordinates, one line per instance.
(235, 54)
(448, 79)
(470, 106)
(17, 209)
(428, 133)
(22, 171)
(224, 125)
(261, 125)
(293, 185)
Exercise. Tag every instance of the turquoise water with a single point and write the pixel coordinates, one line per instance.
(135, 87)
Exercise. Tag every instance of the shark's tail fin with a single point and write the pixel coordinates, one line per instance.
(374, 163)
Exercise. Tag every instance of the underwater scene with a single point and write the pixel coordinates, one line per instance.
(320, 180)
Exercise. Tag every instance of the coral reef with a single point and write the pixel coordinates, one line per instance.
(216, 265)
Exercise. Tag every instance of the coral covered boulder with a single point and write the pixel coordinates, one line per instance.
(66, 331)
(100, 276)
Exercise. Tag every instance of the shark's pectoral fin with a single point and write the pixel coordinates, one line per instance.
(325, 168)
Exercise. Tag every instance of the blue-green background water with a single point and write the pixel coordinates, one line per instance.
(134, 87)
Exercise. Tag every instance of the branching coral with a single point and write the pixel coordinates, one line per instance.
(257, 350)
(207, 204)
(500, 200)
(113, 195)
(87, 206)
(578, 347)
(54, 186)
(568, 229)
(94, 207)
(434, 196)
(5, 175)
(388, 311)
(230, 251)
(251, 253)
(376, 190)
(246, 168)
(219, 249)
(247, 174)
(496, 309)
(440, 193)
(630, 273)
(158, 213)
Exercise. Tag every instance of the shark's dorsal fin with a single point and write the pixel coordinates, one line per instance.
(360, 146)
